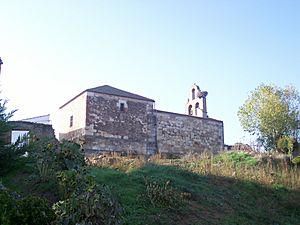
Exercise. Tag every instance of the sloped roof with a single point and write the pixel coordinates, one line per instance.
(109, 90)
(106, 89)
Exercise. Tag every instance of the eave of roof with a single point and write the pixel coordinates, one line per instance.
(108, 90)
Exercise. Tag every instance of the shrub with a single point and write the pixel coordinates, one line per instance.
(236, 158)
(45, 158)
(72, 181)
(162, 194)
(296, 160)
(7, 153)
(70, 156)
(84, 202)
(51, 157)
(286, 144)
(96, 205)
(30, 210)
(34, 211)
(7, 206)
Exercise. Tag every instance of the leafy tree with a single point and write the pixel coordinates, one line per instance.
(271, 113)
(5, 151)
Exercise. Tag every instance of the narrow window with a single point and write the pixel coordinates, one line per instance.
(193, 94)
(196, 108)
(122, 107)
(71, 121)
(190, 110)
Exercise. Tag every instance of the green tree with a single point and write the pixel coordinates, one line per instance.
(5, 151)
(271, 113)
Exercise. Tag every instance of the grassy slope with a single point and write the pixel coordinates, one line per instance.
(214, 199)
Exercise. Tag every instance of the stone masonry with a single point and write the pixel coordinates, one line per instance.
(106, 119)
(182, 134)
(37, 129)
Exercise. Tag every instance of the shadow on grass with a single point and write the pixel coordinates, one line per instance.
(213, 199)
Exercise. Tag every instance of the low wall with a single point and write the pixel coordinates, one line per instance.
(183, 134)
(38, 129)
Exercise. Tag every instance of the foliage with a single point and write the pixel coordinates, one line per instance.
(70, 156)
(296, 160)
(270, 113)
(95, 205)
(72, 181)
(285, 144)
(7, 154)
(236, 158)
(4, 117)
(28, 211)
(162, 194)
(44, 156)
(7, 205)
(220, 193)
(83, 202)
(51, 157)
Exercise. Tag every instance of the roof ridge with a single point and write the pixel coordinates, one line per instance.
(107, 89)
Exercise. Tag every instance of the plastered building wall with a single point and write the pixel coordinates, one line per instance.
(76, 109)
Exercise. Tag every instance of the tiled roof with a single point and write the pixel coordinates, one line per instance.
(106, 89)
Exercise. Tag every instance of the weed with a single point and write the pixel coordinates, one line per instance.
(162, 194)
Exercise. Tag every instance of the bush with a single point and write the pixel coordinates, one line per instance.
(162, 194)
(286, 144)
(7, 206)
(72, 181)
(28, 211)
(51, 157)
(45, 158)
(236, 158)
(84, 202)
(7, 154)
(70, 156)
(33, 210)
(296, 160)
(96, 205)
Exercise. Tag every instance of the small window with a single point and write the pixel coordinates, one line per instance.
(190, 110)
(20, 137)
(122, 107)
(71, 121)
(196, 108)
(193, 94)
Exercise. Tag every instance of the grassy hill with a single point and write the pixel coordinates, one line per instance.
(231, 188)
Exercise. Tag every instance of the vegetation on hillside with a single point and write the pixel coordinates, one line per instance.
(55, 184)
(229, 188)
(273, 115)
(7, 153)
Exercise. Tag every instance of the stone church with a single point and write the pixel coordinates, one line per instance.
(109, 119)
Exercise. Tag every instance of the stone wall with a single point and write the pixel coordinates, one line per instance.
(38, 129)
(183, 134)
(115, 128)
(110, 123)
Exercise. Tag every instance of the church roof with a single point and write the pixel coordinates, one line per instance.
(109, 90)
(106, 89)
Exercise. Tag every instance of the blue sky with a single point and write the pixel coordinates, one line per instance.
(52, 50)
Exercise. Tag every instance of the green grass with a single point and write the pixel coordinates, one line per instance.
(214, 199)
(215, 195)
